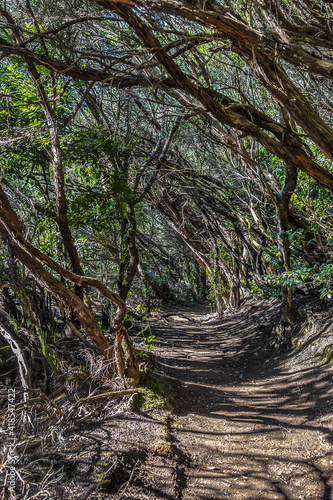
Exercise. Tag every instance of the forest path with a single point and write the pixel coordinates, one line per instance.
(250, 425)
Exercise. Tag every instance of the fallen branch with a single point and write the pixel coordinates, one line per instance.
(112, 395)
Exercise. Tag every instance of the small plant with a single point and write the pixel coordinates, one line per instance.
(147, 341)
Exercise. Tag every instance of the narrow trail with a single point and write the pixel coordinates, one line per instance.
(251, 425)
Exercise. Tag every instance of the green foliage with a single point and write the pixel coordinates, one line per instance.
(151, 395)
(99, 190)
(147, 341)
(203, 198)
(320, 276)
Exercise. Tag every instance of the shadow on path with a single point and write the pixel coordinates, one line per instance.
(257, 426)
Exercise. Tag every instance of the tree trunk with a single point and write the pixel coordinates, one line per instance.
(276, 138)
(31, 257)
(11, 233)
(58, 173)
(130, 256)
(15, 345)
(235, 285)
(289, 310)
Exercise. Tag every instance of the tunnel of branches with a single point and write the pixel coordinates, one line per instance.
(159, 152)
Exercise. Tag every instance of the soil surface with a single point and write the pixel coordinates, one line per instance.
(253, 424)
(247, 419)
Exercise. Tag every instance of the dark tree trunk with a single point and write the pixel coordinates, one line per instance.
(32, 258)
(58, 173)
(10, 226)
(129, 259)
(288, 306)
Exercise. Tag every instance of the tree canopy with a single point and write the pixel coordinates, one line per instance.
(161, 150)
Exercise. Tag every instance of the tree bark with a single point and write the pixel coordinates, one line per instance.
(175, 221)
(289, 310)
(11, 338)
(58, 173)
(11, 232)
(248, 42)
(130, 259)
(31, 257)
(244, 118)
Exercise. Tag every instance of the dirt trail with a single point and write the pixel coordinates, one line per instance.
(251, 425)
(247, 422)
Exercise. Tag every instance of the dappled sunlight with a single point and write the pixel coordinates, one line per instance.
(256, 425)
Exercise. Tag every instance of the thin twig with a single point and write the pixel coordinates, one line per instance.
(99, 484)
(126, 485)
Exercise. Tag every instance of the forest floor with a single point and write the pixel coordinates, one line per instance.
(253, 423)
(246, 420)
